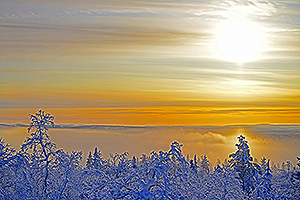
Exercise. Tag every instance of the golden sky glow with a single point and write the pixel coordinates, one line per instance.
(151, 62)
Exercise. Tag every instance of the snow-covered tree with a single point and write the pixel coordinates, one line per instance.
(49, 173)
(40, 153)
(267, 190)
(144, 158)
(204, 165)
(194, 164)
(242, 163)
(68, 183)
(296, 174)
(282, 184)
(222, 185)
(41, 171)
(89, 161)
(97, 159)
(134, 162)
(295, 179)
(263, 164)
(7, 176)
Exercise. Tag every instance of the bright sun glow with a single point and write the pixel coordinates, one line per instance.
(239, 41)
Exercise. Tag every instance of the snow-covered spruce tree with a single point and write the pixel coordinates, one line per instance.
(96, 160)
(95, 177)
(295, 179)
(179, 173)
(194, 164)
(134, 162)
(287, 166)
(222, 184)
(267, 190)
(175, 153)
(296, 174)
(263, 164)
(204, 165)
(143, 158)
(226, 165)
(282, 184)
(89, 161)
(241, 162)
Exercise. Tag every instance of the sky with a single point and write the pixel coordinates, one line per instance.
(151, 62)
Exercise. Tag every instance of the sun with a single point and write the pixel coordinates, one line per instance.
(238, 41)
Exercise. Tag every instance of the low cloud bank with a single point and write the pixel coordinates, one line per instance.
(278, 142)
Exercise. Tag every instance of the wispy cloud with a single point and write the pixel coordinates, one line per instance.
(147, 54)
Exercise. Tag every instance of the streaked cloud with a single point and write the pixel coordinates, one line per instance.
(151, 115)
(147, 54)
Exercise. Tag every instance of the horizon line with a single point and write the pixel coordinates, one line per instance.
(99, 126)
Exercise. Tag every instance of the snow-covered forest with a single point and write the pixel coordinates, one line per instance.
(39, 170)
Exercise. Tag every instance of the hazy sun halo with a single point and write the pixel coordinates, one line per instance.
(238, 41)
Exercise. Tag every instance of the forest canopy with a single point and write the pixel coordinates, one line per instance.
(40, 170)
